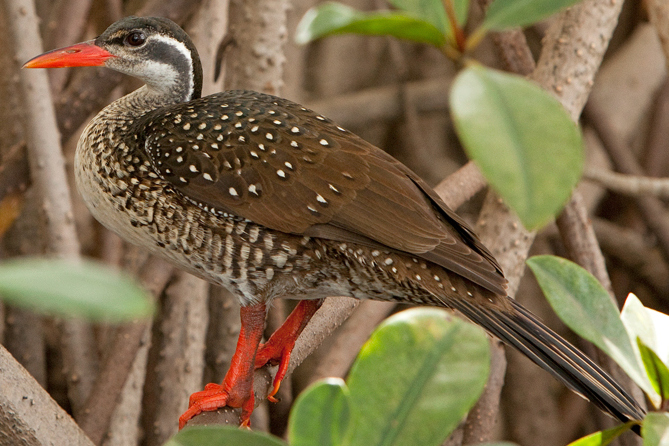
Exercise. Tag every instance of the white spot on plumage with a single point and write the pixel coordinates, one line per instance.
(233, 192)
(281, 173)
(324, 142)
(186, 126)
(269, 136)
(207, 176)
(193, 168)
(322, 200)
(202, 126)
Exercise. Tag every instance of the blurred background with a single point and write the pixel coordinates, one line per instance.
(393, 94)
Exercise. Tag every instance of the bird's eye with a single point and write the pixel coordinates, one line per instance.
(135, 38)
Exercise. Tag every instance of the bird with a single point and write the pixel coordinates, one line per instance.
(270, 200)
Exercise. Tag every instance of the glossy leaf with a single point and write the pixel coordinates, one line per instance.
(334, 18)
(504, 14)
(433, 11)
(422, 367)
(79, 289)
(222, 436)
(321, 415)
(583, 304)
(657, 371)
(650, 325)
(655, 429)
(652, 328)
(602, 438)
(521, 138)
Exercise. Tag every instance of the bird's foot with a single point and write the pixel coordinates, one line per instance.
(237, 387)
(214, 396)
(278, 348)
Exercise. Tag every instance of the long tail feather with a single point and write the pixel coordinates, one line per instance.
(522, 330)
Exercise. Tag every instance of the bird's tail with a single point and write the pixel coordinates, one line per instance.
(522, 330)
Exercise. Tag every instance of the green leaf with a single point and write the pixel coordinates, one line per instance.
(421, 367)
(222, 436)
(321, 415)
(650, 325)
(521, 138)
(655, 429)
(80, 289)
(334, 18)
(657, 371)
(602, 438)
(586, 307)
(504, 14)
(652, 328)
(433, 11)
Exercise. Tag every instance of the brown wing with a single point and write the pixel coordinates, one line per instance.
(280, 165)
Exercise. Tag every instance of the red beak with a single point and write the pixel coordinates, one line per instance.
(85, 54)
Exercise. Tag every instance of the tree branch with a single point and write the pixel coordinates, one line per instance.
(632, 185)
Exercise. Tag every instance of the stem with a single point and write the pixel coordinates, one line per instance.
(458, 32)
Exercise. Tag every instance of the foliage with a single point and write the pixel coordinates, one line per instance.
(413, 381)
(637, 338)
(72, 289)
(526, 145)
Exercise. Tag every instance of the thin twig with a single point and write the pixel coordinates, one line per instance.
(632, 185)
(652, 209)
(629, 248)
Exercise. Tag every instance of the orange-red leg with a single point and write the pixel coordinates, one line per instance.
(280, 345)
(237, 387)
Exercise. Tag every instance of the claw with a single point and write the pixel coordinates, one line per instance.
(237, 387)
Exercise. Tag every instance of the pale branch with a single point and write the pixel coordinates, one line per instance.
(632, 185)
(658, 10)
(178, 356)
(28, 415)
(47, 169)
(100, 405)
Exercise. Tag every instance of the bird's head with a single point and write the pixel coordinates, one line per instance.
(153, 49)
